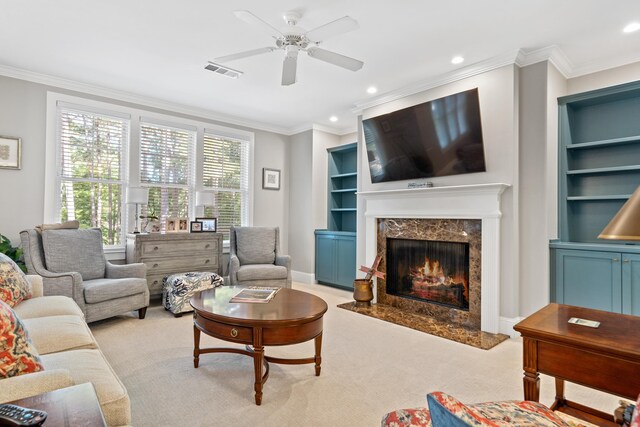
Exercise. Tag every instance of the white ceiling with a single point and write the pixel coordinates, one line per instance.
(158, 48)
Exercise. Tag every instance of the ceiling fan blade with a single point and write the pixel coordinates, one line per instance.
(244, 54)
(335, 58)
(333, 28)
(290, 66)
(252, 19)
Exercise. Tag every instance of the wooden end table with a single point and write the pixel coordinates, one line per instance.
(606, 358)
(71, 406)
(291, 317)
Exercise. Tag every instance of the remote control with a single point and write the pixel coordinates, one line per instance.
(14, 415)
(584, 322)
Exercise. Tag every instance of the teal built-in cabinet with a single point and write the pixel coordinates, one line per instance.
(599, 169)
(336, 245)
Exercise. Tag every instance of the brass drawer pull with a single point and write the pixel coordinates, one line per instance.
(155, 282)
(207, 261)
(155, 265)
(207, 246)
(155, 248)
(234, 332)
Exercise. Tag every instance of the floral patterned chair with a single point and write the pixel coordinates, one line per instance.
(446, 411)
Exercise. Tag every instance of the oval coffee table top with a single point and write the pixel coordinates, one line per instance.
(287, 306)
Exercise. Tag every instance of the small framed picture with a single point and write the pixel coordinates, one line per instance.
(10, 152)
(209, 225)
(270, 179)
(183, 224)
(196, 227)
(171, 225)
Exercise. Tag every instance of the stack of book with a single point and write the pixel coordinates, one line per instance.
(255, 294)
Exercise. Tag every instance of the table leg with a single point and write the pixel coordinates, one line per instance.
(258, 360)
(318, 358)
(531, 378)
(196, 346)
(560, 400)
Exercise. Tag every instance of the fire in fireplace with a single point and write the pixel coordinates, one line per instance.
(428, 270)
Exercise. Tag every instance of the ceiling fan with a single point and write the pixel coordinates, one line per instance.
(294, 40)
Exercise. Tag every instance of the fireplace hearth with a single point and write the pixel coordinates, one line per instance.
(426, 270)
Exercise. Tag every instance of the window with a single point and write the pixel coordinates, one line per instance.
(226, 172)
(166, 168)
(90, 170)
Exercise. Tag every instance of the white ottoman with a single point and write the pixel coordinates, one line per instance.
(178, 289)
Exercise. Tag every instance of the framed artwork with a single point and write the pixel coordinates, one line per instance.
(10, 152)
(183, 224)
(270, 179)
(209, 225)
(196, 227)
(171, 225)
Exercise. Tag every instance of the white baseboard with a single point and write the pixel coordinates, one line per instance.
(507, 324)
(300, 277)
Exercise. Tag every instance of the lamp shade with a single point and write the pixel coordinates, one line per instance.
(137, 195)
(205, 198)
(626, 224)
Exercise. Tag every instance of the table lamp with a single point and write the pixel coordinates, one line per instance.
(205, 198)
(138, 196)
(626, 224)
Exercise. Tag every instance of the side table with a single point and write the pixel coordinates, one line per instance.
(71, 406)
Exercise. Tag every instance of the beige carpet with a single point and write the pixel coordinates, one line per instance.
(369, 367)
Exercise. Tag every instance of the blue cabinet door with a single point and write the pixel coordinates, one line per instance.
(325, 258)
(589, 279)
(631, 284)
(346, 261)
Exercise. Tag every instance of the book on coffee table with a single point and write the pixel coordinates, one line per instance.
(255, 294)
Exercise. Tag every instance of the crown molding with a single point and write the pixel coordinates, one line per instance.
(553, 54)
(324, 128)
(60, 82)
(604, 65)
(481, 67)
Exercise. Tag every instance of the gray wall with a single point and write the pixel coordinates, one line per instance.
(300, 242)
(23, 114)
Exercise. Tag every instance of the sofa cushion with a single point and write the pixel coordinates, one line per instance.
(53, 305)
(256, 245)
(17, 354)
(59, 333)
(74, 250)
(99, 290)
(14, 286)
(91, 366)
(447, 411)
(262, 272)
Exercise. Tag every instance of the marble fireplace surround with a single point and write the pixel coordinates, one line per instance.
(473, 202)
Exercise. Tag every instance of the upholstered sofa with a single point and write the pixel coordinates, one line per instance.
(68, 352)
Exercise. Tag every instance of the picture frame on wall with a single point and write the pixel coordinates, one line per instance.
(10, 152)
(209, 225)
(195, 227)
(270, 179)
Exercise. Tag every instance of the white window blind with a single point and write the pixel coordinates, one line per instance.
(91, 168)
(166, 168)
(226, 172)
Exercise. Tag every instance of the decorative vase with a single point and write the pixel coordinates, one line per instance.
(363, 292)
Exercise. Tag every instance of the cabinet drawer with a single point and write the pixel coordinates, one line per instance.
(160, 249)
(175, 265)
(154, 283)
(223, 331)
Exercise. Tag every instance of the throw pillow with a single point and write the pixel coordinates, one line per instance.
(17, 354)
(445, 410)
(14, 286)
(256, 245)
(75, 250)
(635, 420)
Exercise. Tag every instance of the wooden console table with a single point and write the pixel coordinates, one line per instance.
(606, 358)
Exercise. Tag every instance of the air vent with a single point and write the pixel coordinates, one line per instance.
(225, 71)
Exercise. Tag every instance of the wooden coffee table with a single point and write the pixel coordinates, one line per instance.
(291, 317)
(606, 358)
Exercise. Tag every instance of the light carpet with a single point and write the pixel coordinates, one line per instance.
(369, 367)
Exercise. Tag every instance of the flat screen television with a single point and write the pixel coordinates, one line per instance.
(437, 138)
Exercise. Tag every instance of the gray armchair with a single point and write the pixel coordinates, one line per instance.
(255, 260)
(72, 263)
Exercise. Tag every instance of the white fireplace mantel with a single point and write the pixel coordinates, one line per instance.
(479, 201)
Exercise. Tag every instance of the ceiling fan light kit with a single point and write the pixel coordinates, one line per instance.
(292, 41)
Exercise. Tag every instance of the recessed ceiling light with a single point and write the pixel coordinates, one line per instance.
(372, 90)
(457, 60)
(333, 118)
(630, 28)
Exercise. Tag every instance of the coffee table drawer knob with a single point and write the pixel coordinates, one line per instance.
(234, 332)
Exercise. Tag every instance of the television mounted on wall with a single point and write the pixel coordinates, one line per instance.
(436, 138)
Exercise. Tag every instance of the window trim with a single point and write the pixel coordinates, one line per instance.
(132, 156)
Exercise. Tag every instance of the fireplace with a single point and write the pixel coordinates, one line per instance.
(429, 270)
